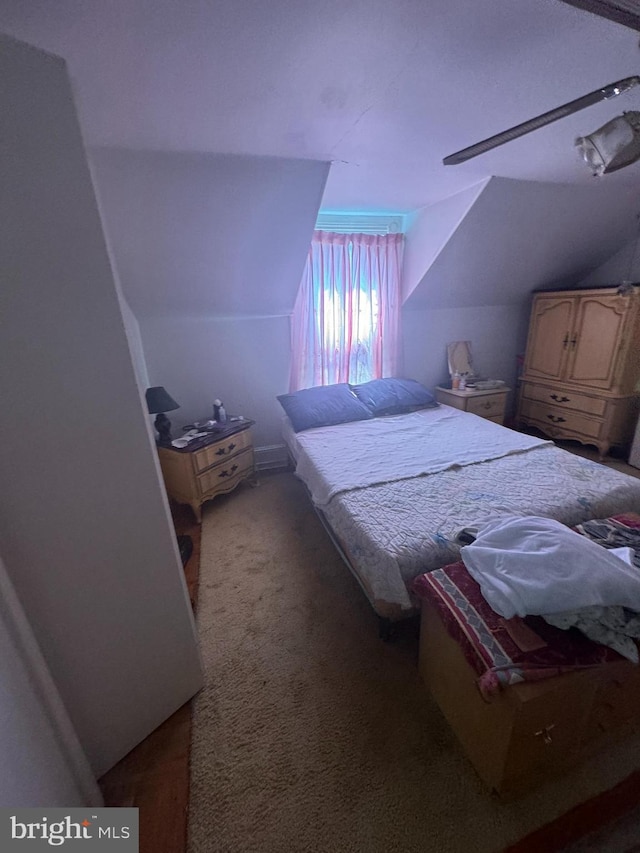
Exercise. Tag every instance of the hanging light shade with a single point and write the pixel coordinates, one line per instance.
(614, 145)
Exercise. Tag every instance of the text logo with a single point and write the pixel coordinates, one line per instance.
(70, 829)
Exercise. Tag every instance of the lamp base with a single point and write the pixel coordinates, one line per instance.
(163, 425)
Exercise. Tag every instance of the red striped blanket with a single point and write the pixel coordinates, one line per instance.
(507, 651)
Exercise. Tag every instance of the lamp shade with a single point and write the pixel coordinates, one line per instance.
(159, 401)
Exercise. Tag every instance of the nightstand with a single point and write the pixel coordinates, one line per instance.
(487, 404)
(209, 466)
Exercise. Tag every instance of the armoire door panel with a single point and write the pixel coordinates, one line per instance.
(595, 341)
(549, 335)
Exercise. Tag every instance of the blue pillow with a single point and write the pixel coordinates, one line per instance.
(323, 405)
(394, 396)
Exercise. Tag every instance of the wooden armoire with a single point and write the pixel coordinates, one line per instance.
(582, 366)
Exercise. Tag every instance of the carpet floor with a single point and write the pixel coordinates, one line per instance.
(313, 735)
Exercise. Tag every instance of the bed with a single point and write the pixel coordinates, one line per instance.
(394, 491)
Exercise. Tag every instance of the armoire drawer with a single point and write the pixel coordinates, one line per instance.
(564, 399)
(562, 420)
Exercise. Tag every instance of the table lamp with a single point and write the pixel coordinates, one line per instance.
(159, 402)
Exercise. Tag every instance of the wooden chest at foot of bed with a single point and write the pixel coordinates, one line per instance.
(531, 731)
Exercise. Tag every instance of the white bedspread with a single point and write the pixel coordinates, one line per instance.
(339, 458)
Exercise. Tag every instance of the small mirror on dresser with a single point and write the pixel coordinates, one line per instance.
(459, 357)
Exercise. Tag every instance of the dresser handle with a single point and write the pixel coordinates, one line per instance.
(560, 399)
(225, 451)
(228, 473)
(556, 420)
(487, 405)
(545, 733)
(565, 340)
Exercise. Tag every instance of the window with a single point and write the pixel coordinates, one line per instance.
(345, 322)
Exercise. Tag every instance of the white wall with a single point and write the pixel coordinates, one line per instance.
(132, 329)
(210, 234)
(210, 248)
(429, 230)
(623, 265)
(497, 334)
(243, 361)
(210, 251)
(87, 537)
(522, 235)
(42, 761)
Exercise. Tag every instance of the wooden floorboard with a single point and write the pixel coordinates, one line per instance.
(154, 777)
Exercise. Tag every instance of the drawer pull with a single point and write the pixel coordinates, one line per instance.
(225, 451)
(565, 340)
(230, 473)
(560, 399)
(487, 405)
(545, 734)
(556, 420)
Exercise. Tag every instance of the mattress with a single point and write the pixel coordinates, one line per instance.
(393, 530)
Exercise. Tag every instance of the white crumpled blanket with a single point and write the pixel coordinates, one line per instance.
(535, 566)
(538, 567)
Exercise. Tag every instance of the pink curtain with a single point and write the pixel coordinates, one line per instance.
(345, 324)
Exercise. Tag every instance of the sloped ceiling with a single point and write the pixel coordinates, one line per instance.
(428, 232)
(522, 235)
(211, 127)
(382, 88)
(208, 234)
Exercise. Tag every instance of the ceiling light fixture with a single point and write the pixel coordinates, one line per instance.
(614, 145)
